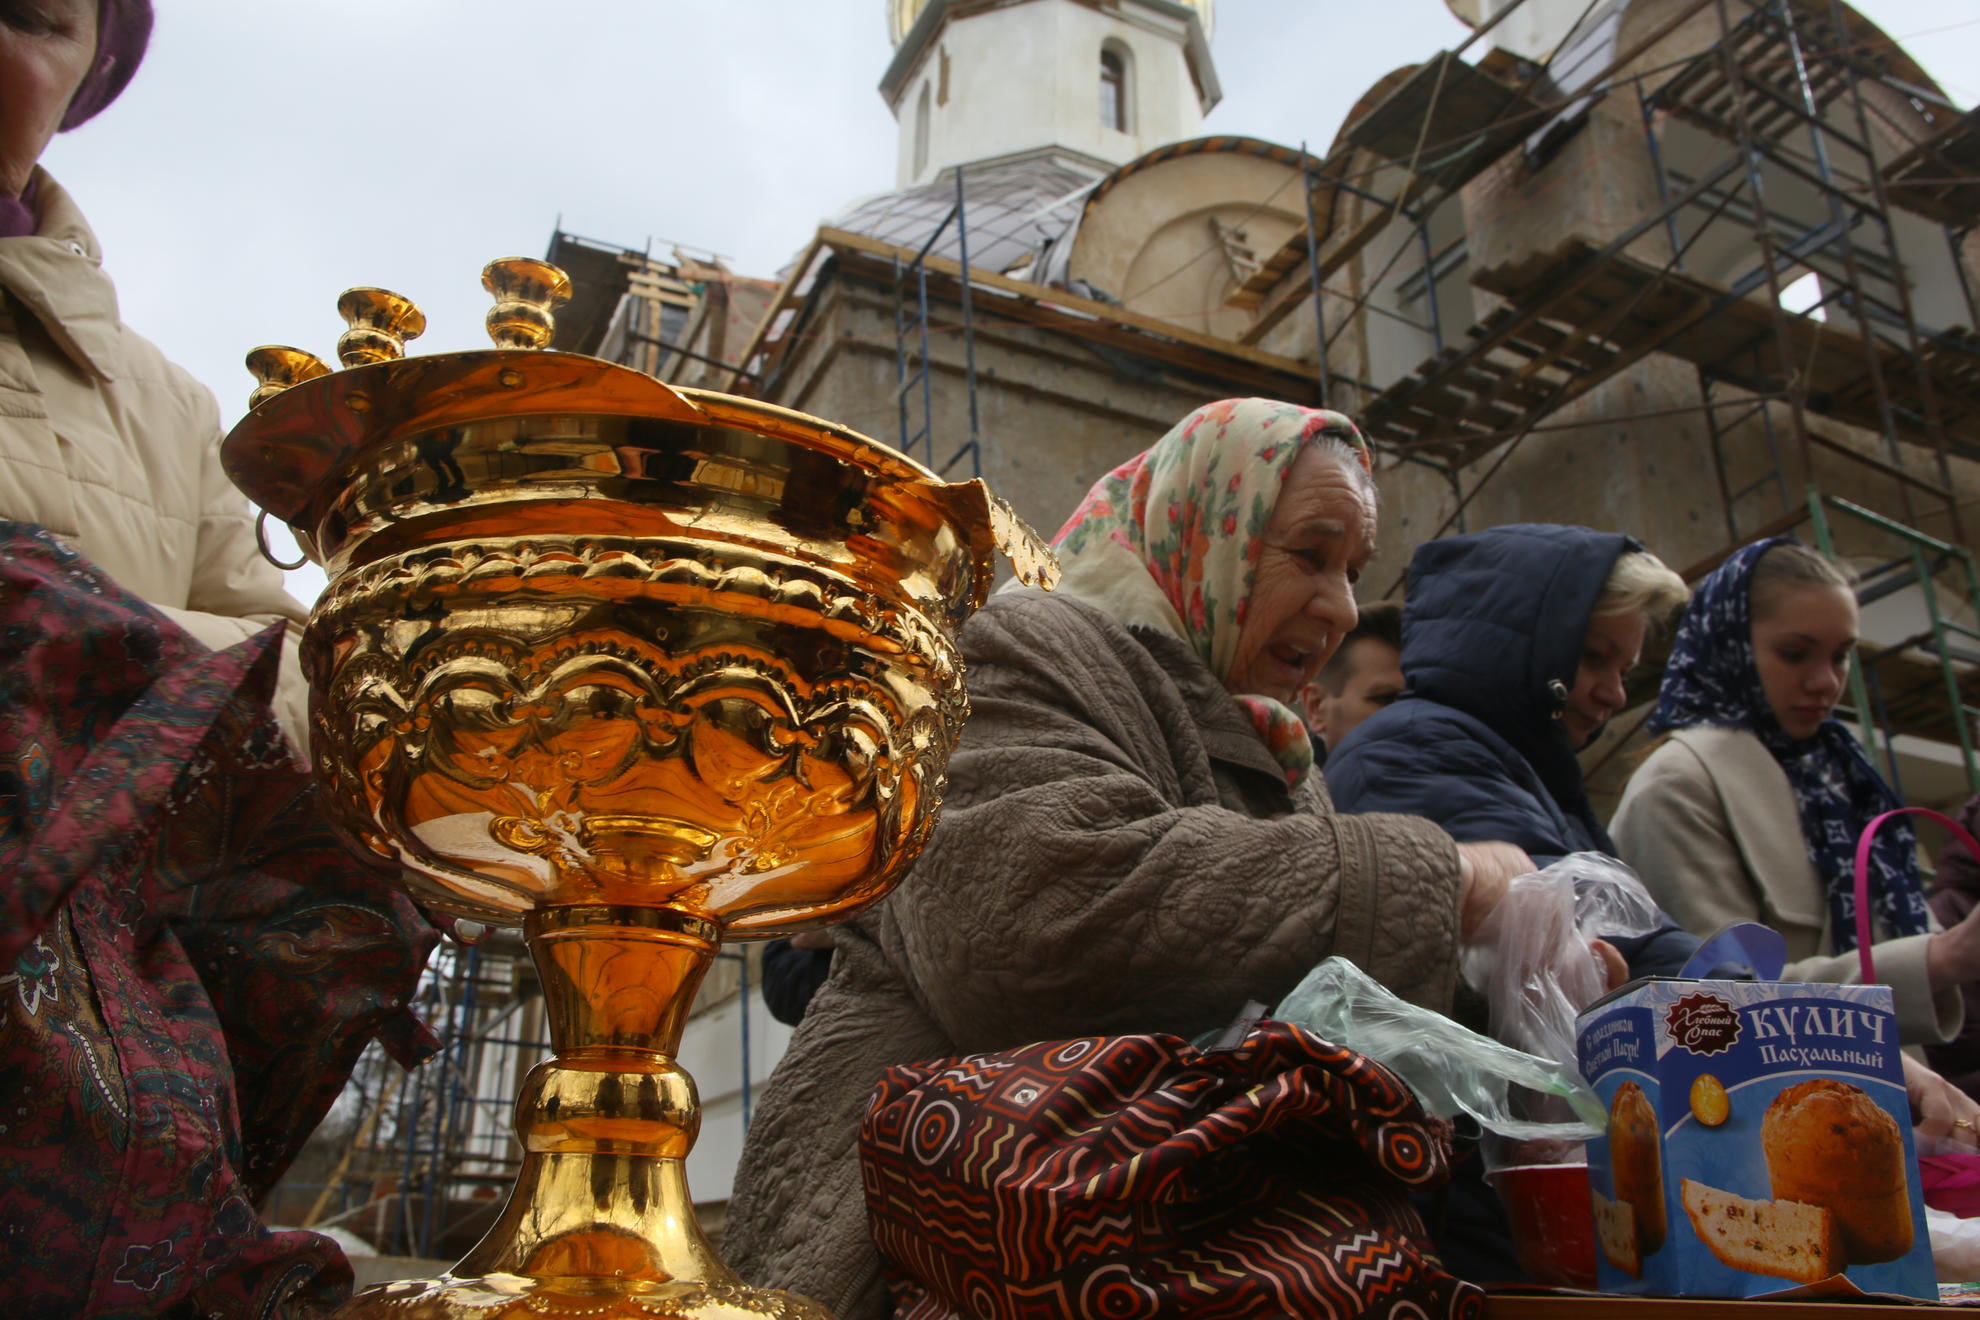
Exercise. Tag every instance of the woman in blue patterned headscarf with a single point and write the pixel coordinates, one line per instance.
(1752, 807)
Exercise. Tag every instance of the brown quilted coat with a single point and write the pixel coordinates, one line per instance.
(1118, 852)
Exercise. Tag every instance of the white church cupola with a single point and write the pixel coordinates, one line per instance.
(1098, 82)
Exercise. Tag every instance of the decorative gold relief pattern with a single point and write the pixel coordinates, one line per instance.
(652, 737)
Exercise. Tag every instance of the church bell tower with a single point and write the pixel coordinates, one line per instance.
(1098, 82)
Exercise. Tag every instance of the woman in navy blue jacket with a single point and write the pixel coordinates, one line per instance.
(1516, 642)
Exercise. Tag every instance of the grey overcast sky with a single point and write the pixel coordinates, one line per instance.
(273, 152)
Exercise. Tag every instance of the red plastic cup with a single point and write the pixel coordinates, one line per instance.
(1553, 1227)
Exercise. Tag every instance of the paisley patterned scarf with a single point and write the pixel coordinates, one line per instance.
(1712, 680)
(1170, 539)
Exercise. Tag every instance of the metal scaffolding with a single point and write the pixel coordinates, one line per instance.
(915, 368)
(1918, 679)
(1771, 180)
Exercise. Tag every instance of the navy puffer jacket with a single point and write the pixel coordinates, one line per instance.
(1492, 638)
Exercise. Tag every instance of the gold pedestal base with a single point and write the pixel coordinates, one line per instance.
(512, 1297)
(600, 1223)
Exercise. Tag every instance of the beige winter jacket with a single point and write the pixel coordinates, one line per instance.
(109, 446)
(1709, 822)
(1118, 852)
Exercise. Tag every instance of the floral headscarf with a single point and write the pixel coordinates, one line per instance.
(1170, 539)
(1712, 680)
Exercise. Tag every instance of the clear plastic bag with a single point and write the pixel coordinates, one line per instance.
(1531, 959)
(1955, 1246)
(1532, 962)
(1452, 1070)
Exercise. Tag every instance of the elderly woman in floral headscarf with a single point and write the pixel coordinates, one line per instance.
(1132, 838)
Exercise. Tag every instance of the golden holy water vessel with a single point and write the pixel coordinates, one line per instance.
(638, 669)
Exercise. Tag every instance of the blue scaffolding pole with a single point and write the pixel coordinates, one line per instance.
(913, 330)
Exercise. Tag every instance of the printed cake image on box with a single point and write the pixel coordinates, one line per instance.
(1759, 1139)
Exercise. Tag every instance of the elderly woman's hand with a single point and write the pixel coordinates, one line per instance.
(1484, 871)
(1946, 1117)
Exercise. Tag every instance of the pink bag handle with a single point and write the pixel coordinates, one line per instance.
(1863, 875)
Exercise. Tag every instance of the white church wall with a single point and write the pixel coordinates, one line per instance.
(1026, 77)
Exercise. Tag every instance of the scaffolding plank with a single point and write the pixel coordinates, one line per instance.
(1567, 292)
(1475, 119)
(1940, 177)
(1461, 117)
(1553, 279)
(1702, 325)
(1769, 72)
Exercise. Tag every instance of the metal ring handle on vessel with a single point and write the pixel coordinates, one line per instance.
(261, 542)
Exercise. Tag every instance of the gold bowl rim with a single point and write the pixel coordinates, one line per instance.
(283, 453)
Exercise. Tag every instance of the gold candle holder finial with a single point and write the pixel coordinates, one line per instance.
(526, 292)
(381, 321)
(277, 367)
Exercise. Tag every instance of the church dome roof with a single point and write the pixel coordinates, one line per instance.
(1013, 207)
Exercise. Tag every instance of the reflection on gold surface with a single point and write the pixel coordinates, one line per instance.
(527, 293)
(380, 323)
(639, 669)
(276, 367)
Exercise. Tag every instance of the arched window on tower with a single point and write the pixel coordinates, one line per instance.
(921, 132)
(1114, 89)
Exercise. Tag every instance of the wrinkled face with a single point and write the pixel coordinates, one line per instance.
(1802, 649)
(1374, 679)
(1318, 540)
(46, 50)
(1609, 650)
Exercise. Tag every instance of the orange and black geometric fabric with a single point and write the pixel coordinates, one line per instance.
(1132, 1177)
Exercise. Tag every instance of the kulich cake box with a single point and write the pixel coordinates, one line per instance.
(1759, 1139)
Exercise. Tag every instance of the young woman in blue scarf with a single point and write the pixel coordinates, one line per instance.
(1751, 808)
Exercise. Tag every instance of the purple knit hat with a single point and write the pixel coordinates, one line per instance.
(123, 29)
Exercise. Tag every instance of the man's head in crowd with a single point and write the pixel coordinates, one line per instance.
(1363, 676)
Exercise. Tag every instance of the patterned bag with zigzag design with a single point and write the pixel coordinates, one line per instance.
(1127, 1177)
